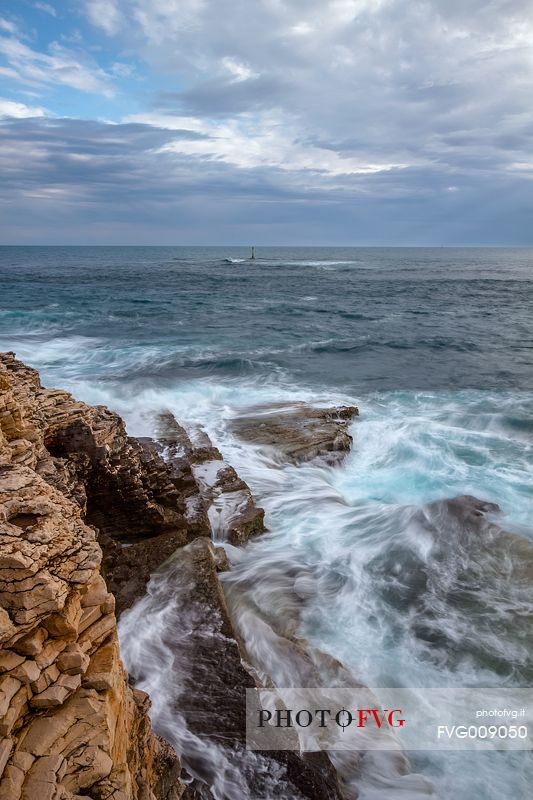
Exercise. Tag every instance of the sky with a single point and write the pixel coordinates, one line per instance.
(289, 122)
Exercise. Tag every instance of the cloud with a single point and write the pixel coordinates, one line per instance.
(104, 14)
(405, 121)
(59, 66)
(10, 108)
(6, 25)
(264, 141)
(46, 8)
(350, 83)
(238, 70)
(74, 181)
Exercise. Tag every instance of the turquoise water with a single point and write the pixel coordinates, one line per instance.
(435, 346)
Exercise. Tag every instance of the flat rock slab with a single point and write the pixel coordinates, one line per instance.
(297, 431)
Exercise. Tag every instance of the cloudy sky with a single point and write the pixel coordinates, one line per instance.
(266, 121)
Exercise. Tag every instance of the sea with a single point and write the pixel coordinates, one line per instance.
(434, 346)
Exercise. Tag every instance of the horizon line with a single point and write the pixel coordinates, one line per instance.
(284, 246)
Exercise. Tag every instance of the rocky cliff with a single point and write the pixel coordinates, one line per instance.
(87, 514)
(70, 723)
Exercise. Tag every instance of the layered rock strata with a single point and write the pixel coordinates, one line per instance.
(74, 484)
(70, 724)
(232, 513)
(298, 432)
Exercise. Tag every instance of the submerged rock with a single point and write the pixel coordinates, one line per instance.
(297, 431)
(457, 579)
(204, 686)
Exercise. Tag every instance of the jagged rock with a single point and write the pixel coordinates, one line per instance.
(31, 644)
(96, 593)
(9, 660)
(128, 569)
(221, 498)
(232, 512)
(122, 486)
(68, 562)
(73, 661)
(60, 739)
(221, 560)
(56, 694)
(46, 678)
(71, 484)
(85, 452)
(298, 432)
(179, 443)
(27, 672)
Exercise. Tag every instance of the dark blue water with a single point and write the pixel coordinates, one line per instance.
(353, 319)
(436, 348)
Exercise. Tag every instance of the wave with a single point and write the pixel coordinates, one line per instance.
(365, 541)
(59, 350)
(323, 263)
(300, 263)
(354, 554)
(72, 357)
(350, 548)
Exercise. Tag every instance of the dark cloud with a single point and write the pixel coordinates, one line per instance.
(75, 181)
(224, 98)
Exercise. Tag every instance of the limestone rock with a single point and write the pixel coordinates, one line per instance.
(73, 661)
(73, 483)
(128, 569)
(297, 431)
(9, 660)
(232, 512)
(59, 738)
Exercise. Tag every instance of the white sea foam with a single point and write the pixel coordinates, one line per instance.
(328, 563)
(353, 563)
(323, 566)
(328, 263)
(152, 634)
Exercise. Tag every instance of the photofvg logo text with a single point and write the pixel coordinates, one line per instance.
(389, 719)
(303, 718)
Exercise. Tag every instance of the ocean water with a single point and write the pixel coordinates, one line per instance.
(435, 346)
